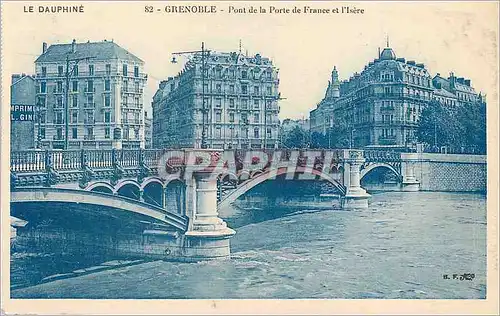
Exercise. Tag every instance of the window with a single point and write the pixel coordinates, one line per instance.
(108, 69)
(90, 132)
(387, 90)
(244, 118)
(75, 70)
(218, 133)
(218, 102)
(256, 90)
(107, 85)
(74, 117)
(43, 87)
(43, 116)
(91, 70)
(74, 133)
(136, 71)
(231, 88)
(231, 117)
(269, 90)
(268, 75)
(244, 103)
(137, 104)
(244, 132)
(256, 132)
(256, 103)
(59, 87)
(60, 71)
(125, 85)
(205, 87)
(218, 72)
(231, 103)
(90, 117)
(125, 70)
(244, 74)
(244, 89)
(218, 117)
(90, 100)
(42, 132)
(107, 117)
(59, 133)
(136, 87)
(74, 100)
(106, 132)
(218, 87)
(136, 118)
(75, 86)
(44, 72)
(90, 86)
(136, 133)
(269, 133)
(59, 117)
(59, 102)
(256, 117)
(126, 133)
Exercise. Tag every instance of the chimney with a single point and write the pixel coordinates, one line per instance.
(438, 74)
(452, 79)
(73, 46)
(44, 47)
(379, 52)
(467, 82)
(15, 77)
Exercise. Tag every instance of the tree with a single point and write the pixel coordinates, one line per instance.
(297, 137)
(459, 128)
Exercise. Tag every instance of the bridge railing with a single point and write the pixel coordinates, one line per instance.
(101, 159)
(27, 161)
(381, 155)
(66, 160)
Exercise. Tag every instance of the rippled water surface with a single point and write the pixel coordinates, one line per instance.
(399, 247)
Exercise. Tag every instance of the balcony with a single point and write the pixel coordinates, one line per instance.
(89, 105)
(131, 91)
(57, 137)
(89, 90)
(89, 121)
(89, 137)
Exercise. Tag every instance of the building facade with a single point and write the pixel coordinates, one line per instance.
(23, 112)
(240, 96)
(148, 130)
(104, 94)
(382, 105)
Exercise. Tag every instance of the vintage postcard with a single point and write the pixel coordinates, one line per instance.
(246, 157)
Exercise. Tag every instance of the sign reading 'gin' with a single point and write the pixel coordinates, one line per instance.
(21, 113)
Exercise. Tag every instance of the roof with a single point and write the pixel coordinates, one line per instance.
(101, 50)
(387, 54)
(444, 93)
(16, 80)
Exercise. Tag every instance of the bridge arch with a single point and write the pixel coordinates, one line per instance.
(21, 199)
(152, 180)
(374, 166)
(269, 174)
(101, 186)
(129, 188)
(153, 193)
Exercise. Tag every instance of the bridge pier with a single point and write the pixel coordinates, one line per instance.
(355, 197)
(409, 183)
(208, 236)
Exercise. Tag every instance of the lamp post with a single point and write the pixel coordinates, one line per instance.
(204, 54)
(39, 122)
(66, 93)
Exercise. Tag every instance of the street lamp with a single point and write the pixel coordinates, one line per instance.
(204, 111)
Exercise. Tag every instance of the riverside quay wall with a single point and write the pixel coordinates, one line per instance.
(450, 172)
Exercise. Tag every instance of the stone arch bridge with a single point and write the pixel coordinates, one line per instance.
(174, 194)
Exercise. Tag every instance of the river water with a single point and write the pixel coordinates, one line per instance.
(400, 247)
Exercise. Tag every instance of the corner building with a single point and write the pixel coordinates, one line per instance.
(241, 101)
(106, 86)
(382, 104)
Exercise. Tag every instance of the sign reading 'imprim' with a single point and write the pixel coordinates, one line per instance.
(21, 113)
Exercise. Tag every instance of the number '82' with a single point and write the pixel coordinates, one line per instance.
(148, 8)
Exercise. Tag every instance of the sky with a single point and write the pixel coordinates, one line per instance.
(459, 37)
